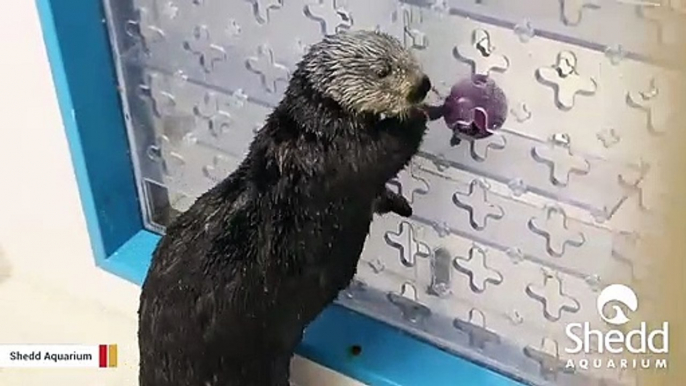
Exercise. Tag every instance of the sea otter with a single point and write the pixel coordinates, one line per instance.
(239, 275)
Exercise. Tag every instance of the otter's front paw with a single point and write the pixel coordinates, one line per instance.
(389, 201)
(419, 115)
(434, 112)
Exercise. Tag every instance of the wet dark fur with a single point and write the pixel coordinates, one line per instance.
(239, 275)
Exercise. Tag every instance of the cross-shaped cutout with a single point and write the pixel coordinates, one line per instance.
(572, 10)
(145, 28)
(405, 241)
(521, 112)
(476, 267)
(595, 282)
(408, 183)
(163, 151)
(481, 55)
(608, 137)
(440, 272)
(653, 102)
(524, 31)
(442, 228)
(669, 16)
(201, 45)
(210, 109)
(261, 9)
(476, 329)
(565, 80)
(615, 54)
(561, 160)
(552, 297)
(411, 309)
(548, 357)
(515, 254)
(479, 148)
(155, 88)
(476, 203)
(170, 10)
(233, 29)
(220, 167)
(269, 71)
(412, 36)
(376, 265)
(441, 162)
(517, 186)
(238, 99)
(332, 17)
(554, 227)
(515, 317)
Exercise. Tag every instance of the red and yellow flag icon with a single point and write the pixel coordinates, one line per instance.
(108, 355)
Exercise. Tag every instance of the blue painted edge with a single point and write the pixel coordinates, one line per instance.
(82, 70)
(64, 99)
(85, 81)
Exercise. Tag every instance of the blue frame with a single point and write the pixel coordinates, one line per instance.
(85, 80)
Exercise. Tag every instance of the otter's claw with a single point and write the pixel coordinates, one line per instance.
(389, 201)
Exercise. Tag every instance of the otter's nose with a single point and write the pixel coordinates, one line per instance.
(419, 92)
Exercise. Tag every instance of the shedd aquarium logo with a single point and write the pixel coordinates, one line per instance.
(647, 345)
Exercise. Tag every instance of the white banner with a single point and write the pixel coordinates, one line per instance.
(45, 356)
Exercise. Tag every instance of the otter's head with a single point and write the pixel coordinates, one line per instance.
(366, 72)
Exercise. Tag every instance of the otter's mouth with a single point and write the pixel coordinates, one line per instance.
(420, 90)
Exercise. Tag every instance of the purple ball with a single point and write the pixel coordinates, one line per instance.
(475, 107)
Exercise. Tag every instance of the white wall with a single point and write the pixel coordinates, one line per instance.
(50, 290)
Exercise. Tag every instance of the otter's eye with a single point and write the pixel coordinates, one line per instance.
(384, 71)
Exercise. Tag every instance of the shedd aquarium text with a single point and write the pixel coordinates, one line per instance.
(638, 341)
(649, 346)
